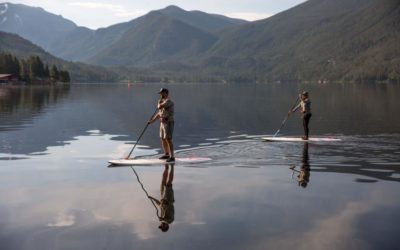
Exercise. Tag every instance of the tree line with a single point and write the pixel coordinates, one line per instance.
(31, 69)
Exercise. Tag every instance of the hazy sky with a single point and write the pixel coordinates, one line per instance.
(102, 13)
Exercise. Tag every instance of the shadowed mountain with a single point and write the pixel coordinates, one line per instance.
(55, 34)
(34, 24)
(64, 39)
(97, 46)
(80, 72)
(342, 39)
(156, 37)
(83, 43)
(319, 39)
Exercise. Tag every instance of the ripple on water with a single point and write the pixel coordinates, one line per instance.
(387, 163)
(361, 180)
(212, 139)
(377, 170)
(395, 175)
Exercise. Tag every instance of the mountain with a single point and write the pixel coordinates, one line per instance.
(65, 39)
(34, 24)
(319, 39)
(22, 48)
(201, 20)
(98, 46)
(56, 34)
(80, 72)
(83, 43)
(153, 39)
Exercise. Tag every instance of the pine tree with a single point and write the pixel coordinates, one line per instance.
(24, 70)
(31, 69)
(46, 71)
(64, 76)
(54, 74)
(9, 64)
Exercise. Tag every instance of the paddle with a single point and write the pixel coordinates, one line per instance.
(140, 136)
(287, 116)
(147, 194)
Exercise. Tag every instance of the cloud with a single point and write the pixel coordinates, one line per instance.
(250, 16)
(63, 220)
(117, 10)
(336, 231)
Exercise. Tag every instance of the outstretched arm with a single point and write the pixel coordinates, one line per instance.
(154, 118)
(295, 108)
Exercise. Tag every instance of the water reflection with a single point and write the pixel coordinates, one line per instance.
(165, 209)
(25, 126)
(203, 111)
(76, 203)
(19, 105)
(371, 172)
(304, 172)
(82, 205)
(368, 158)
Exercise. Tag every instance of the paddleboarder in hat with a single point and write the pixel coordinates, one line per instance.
(166, 116)
(305, 110)
(166, 202)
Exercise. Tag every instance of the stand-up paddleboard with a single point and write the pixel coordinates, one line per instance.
(154, 161)
(299, 139)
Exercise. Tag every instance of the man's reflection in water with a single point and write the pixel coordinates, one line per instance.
(304, 173)
(166, 202)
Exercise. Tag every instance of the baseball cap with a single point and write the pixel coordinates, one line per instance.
(163, 90)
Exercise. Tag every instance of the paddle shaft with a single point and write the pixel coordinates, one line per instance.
(286, 117)
(140, 136)
(147, 194)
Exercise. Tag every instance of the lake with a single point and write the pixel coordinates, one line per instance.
(58, 192)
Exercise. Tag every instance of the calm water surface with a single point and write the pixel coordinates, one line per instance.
(57, 191)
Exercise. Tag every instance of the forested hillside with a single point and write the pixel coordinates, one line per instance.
(79, 72)
(341, 40)
(320, 39)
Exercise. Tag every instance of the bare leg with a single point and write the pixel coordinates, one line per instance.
(164, 180)
(164, 145)
(171, 175)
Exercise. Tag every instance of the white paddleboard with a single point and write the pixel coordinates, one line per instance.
(299, 139)
(155, 161)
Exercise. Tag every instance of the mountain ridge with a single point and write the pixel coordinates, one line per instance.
(318, 39)
(28, 22)
(82, 44)
(201, 20)
(155, 38)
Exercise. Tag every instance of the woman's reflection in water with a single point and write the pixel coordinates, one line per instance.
(304, 173)
(166, 202)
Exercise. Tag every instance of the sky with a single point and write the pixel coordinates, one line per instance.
(101, 13)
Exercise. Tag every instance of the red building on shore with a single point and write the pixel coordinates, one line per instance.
(8, 78)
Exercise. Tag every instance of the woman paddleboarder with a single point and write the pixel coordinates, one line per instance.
(305, 110)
